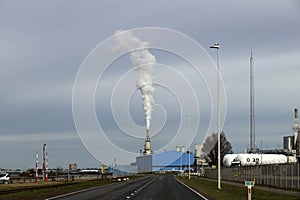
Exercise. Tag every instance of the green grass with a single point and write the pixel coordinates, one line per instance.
(50, 192)
(228, 192)
(45, 193)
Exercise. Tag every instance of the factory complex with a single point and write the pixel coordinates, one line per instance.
(289, 154)
(179, 160)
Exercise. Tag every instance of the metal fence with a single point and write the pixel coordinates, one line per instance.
(282, 175)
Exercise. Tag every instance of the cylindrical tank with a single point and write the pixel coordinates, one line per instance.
(288, 142)
(228, 159)
(264, 159)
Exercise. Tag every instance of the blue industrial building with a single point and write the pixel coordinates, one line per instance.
(165, 161)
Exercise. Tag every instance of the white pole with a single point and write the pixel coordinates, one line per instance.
(219, 125)
(36, 166)
(189, 166)
(44, 145)
(46, 166)
(180, 159)
(217, 46)
(249, 192)
(189, 117)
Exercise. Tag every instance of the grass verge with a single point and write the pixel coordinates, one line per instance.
(229, 192)
(51, 192)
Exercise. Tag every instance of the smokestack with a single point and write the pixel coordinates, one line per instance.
(296, 125)
(296, 133)
(143, 62)
(296, 113)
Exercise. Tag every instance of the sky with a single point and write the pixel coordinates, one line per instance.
(44, 45)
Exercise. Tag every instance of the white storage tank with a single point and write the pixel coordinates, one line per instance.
(228, 159)
(261, 159)
(247, 159)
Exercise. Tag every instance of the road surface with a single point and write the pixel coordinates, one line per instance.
(151, 187)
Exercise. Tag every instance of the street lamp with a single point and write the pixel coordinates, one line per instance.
(189, 117)
(217, 46)
(180, 160)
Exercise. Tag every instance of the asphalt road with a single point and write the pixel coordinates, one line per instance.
(147, 188)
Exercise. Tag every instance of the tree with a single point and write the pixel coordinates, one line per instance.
(210, 148)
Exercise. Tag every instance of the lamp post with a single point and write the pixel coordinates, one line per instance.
(217, 46)
(189, 117)
(180, 160)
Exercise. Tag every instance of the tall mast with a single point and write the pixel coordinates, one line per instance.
(252, 110)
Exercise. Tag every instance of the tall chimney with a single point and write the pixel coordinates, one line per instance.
(296, 113)
(296, 134)
(296, 125)
(147, 147)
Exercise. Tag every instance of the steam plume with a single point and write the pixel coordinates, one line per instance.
(143, 62)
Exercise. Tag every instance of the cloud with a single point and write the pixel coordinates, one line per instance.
(43, 45)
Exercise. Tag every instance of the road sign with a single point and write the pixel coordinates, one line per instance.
(249, 183)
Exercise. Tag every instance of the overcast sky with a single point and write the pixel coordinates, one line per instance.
(44, 43)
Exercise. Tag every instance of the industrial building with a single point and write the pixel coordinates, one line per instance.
(200, 162)
(289, 154)
(291, 144)
(175, 160)
(165, 161)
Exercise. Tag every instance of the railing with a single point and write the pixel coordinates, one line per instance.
(281, 175)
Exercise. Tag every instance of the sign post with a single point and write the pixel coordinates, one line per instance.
(249, 184)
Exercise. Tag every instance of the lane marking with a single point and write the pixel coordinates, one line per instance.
(97, 187)
(141, 188)
(79, 191)
(192, 189)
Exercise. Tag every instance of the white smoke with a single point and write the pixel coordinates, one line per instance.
(143, 62)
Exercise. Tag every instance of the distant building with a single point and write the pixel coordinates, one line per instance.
(73, 167)
(200, 161)
(165, 161)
